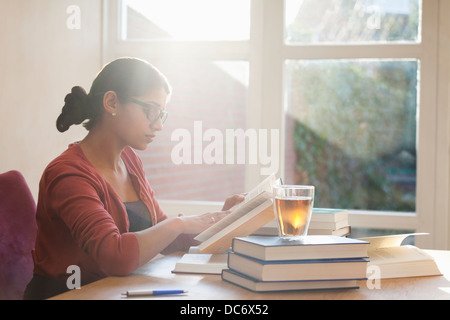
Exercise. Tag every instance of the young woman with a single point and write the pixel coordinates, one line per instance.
(96, 209)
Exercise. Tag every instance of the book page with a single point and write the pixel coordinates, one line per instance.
(388, 241)
(266, 185)
(233, 216)
(253, 199)
(244, 226)
(398, 254)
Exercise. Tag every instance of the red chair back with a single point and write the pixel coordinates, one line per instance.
(17, 235)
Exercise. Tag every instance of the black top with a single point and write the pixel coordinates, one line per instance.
(138, 215)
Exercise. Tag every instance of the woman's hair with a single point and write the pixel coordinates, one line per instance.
(125, 76)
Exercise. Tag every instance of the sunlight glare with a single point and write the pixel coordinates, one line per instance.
(198, 20)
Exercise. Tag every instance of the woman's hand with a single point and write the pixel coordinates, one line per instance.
(230, 202)
(157, 238)
(197, 224)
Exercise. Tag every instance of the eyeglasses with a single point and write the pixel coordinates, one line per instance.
(152, 112)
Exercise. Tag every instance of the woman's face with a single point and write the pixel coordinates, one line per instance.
(139, 118)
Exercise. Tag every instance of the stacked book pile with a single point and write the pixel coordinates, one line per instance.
(329, 222)
(315, 262)
(323, 222)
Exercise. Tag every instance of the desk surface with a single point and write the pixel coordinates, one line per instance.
(157, 274)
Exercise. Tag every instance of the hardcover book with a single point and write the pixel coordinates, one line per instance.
(309, 247)
(272, 286)
(298, 270)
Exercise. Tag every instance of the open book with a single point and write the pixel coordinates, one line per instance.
(245, 218)
(400, 261)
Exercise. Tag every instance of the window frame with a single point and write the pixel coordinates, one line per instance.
(266, 53)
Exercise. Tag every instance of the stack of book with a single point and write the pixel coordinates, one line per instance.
(323, 222)
(329, 222)
(315, 262)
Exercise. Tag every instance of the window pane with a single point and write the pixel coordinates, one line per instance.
(351, 131)
(206, 95)
(202, 20)
(352, 21)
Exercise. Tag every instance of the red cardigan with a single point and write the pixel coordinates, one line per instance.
(82, 221)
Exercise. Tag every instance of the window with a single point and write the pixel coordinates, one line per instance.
(353, 86)
(205, 58)
(355, 106)
(351, 127)
(186, 20)
(359, 21)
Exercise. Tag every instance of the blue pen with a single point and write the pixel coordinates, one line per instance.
(135, 293)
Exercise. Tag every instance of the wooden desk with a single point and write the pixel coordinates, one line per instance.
(157, 274)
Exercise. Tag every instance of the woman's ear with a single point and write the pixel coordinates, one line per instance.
(111, 103)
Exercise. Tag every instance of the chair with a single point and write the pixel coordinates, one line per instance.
(17, 235)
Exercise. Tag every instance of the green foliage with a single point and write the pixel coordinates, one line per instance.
(344, 21)
(354, 132)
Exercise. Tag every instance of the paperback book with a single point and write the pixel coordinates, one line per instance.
(202, 263)
(399, 261)
(248, 216)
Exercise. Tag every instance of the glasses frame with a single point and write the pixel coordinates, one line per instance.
(163, 114)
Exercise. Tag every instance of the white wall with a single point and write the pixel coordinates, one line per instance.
(41, 59)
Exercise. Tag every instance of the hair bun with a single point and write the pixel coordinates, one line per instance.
(76, 109)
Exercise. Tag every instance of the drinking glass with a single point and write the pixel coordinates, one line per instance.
(293, 206)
